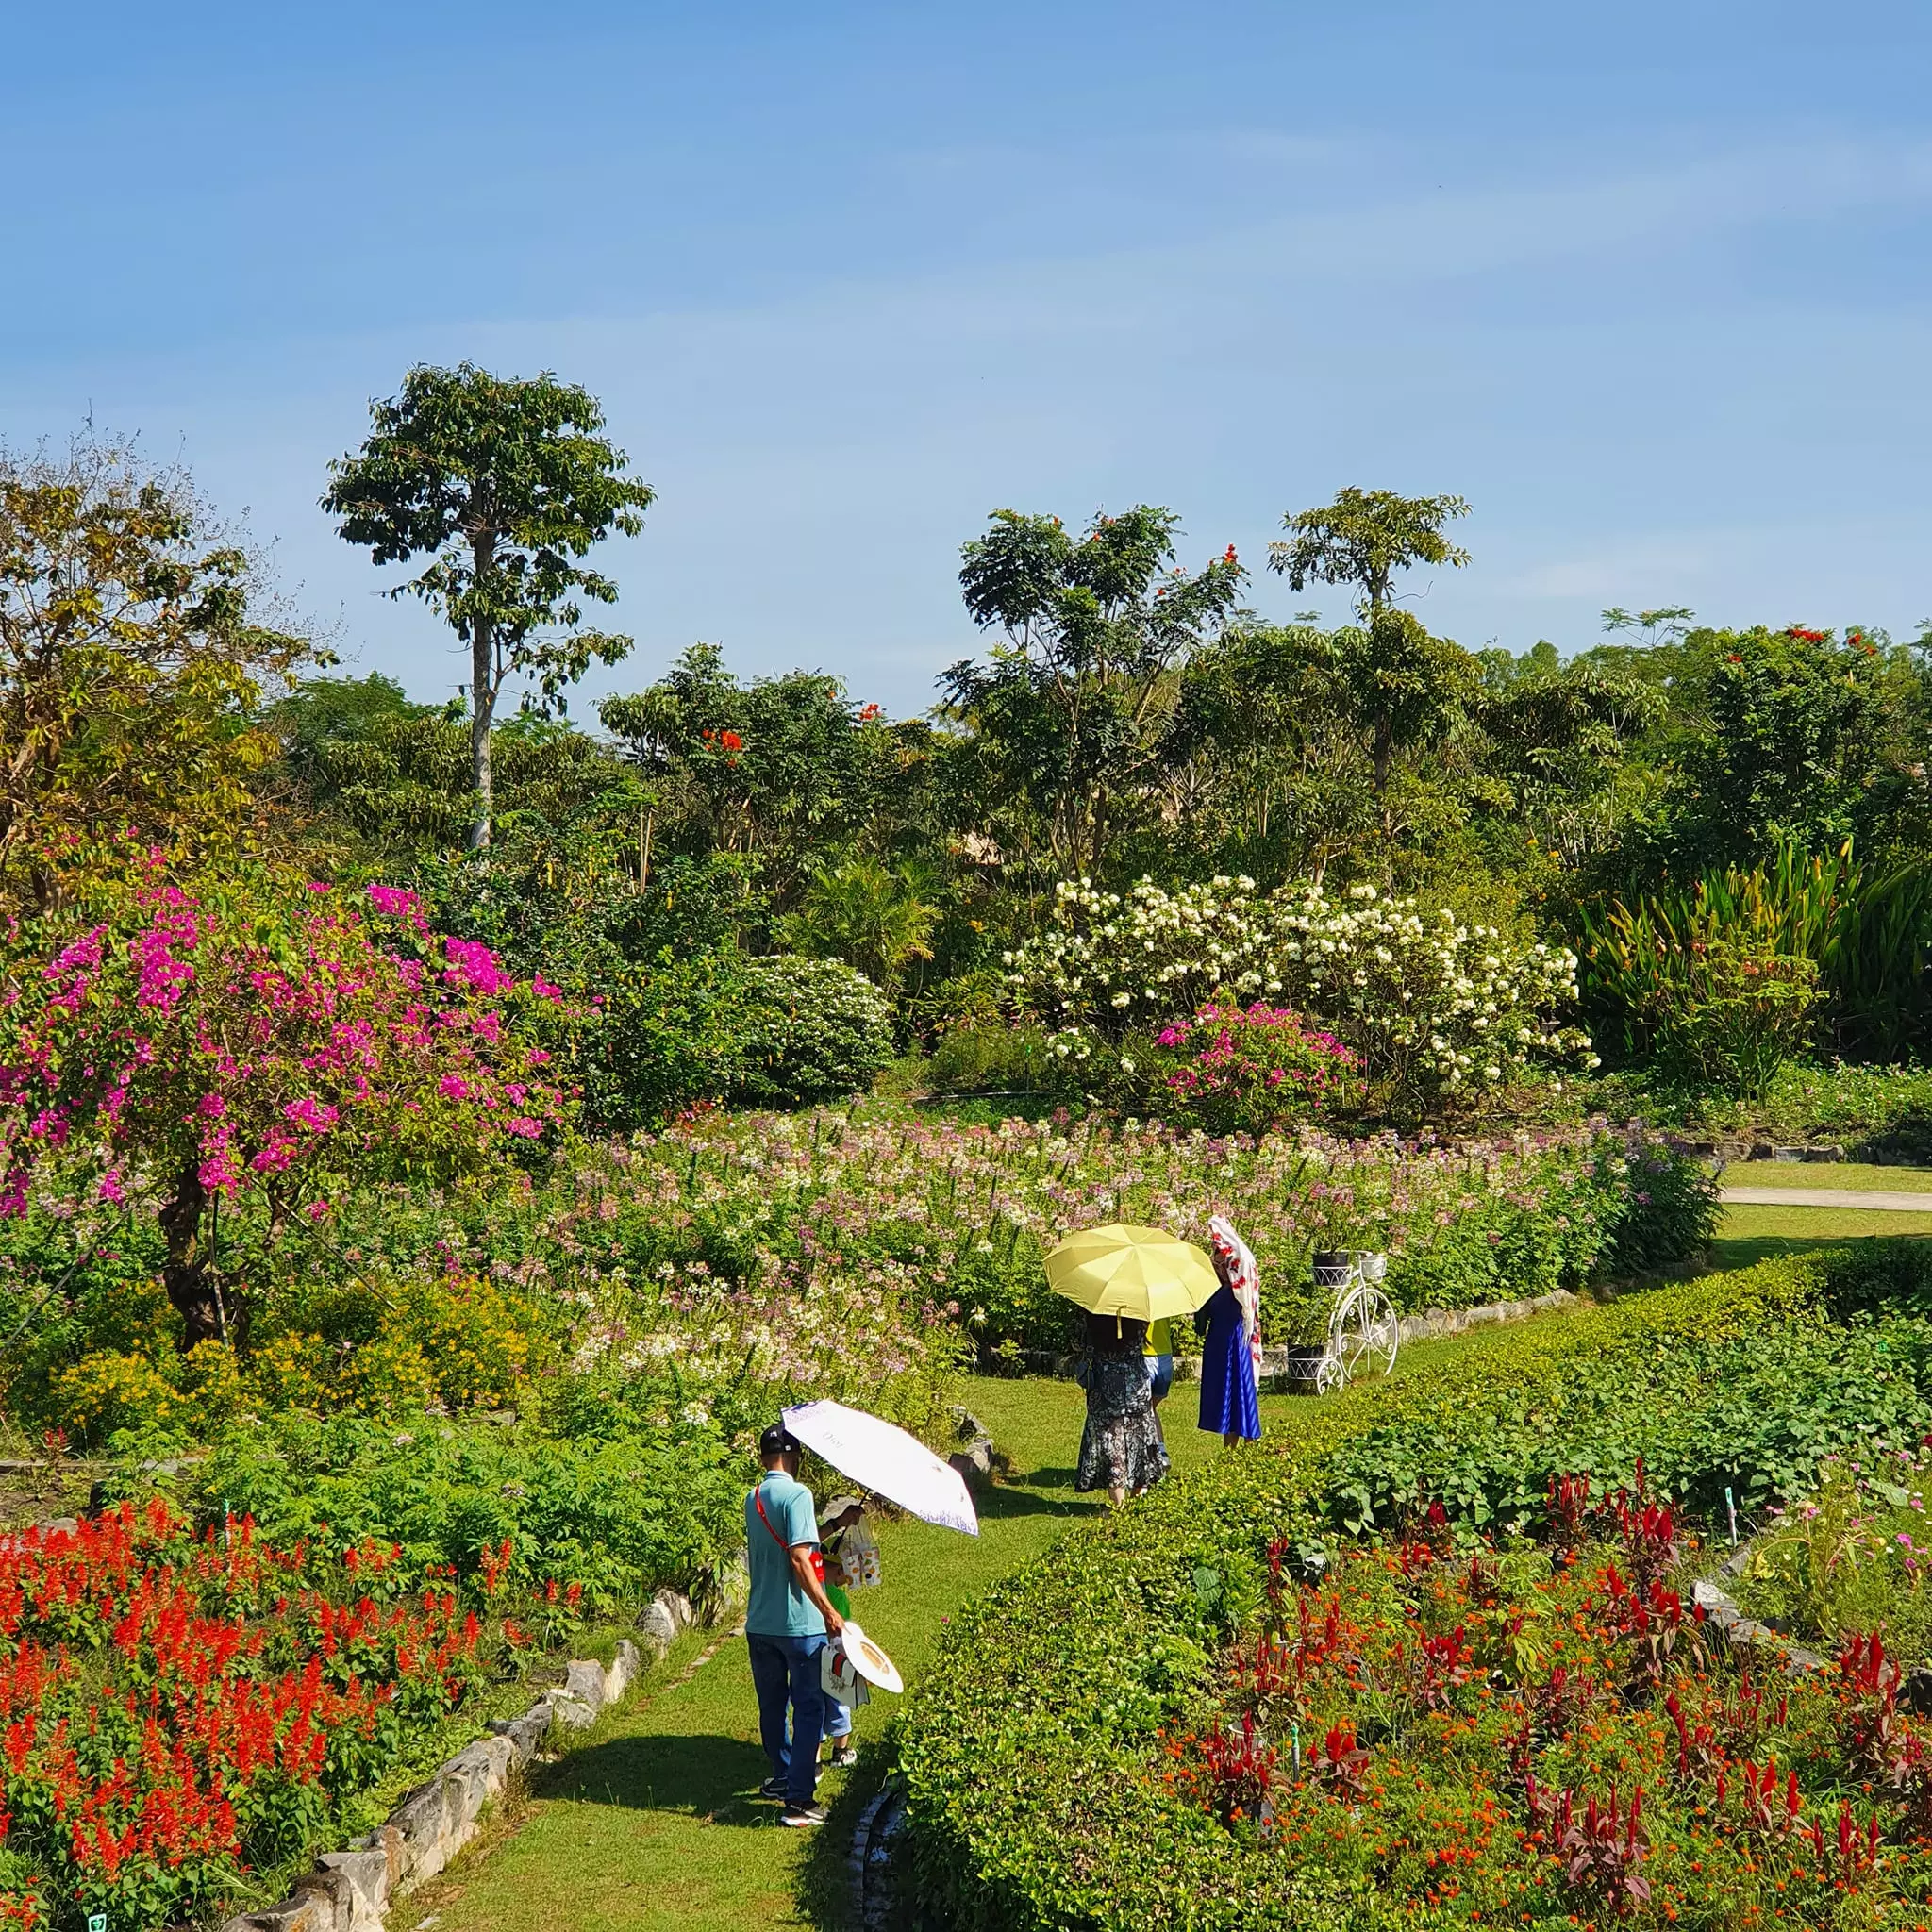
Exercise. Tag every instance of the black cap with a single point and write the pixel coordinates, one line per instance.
(780, 1440)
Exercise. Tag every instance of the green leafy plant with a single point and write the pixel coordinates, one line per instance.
(1732, 975)
(866, 913)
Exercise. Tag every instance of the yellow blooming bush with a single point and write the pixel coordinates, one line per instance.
(461, 1342)
(108, 1391)
(386, 1375)
(477, 1340)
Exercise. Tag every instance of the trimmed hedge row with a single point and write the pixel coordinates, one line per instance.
(1032, 1800)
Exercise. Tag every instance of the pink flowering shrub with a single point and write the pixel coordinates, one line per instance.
(251, 1033)
(1236, 1069)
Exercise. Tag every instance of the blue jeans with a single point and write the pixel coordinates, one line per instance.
(784, 1670)
(838, 1720)
(1160, 1375)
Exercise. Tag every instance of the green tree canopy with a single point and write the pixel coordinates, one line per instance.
(1363, 538)
(1071, 707)
(132, 659)
(503, 485)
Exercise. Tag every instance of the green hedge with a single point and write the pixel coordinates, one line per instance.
(1773, 1367)
(1033, 1801)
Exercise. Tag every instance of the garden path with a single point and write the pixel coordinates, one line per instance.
(649, 1825)
(1891, 1201)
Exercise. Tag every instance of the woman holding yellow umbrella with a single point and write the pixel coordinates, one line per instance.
(1124, 1277)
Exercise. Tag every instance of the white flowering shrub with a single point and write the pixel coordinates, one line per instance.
(1108, 965)
(1435, 1009)
(1432, 1006)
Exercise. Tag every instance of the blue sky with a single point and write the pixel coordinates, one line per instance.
(1649, 284)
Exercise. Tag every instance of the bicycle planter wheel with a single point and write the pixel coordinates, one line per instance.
(1363, 1338)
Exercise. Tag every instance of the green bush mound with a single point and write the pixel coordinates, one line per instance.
(619, 1514)
(724, 1028)
(1033, 1798)
(1750, 1384)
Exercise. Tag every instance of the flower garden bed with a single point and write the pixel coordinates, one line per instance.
(1034, 1750)
(1855, 1555)
(783, 1200)
(1554, 1734)
(184, 1716)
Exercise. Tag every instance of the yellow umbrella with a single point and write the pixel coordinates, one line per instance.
(1140, 1273)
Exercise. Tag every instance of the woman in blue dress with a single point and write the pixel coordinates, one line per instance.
(1231, 1391)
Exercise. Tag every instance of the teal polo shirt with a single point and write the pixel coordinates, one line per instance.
(778, 1608)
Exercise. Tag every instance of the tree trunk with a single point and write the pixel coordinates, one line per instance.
(482, 709)
(186, 1275)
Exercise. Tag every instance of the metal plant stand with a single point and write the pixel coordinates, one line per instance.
(1363, 1333)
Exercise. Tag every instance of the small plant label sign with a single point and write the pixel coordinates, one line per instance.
(97, 1922)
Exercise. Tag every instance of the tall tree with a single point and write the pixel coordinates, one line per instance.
(132, 659)
(1363, 538)
(1073, 705)
(504, 484)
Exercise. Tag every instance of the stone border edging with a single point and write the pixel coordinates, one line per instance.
(1746, 1632)
(351, 1891)
(869, 1864)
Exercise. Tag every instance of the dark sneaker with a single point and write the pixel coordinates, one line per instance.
(801, 1817)
(772, 1787)
(844, 1756)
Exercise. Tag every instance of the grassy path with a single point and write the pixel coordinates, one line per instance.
(649, 1824)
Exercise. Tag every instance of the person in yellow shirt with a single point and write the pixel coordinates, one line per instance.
(1159, 1354)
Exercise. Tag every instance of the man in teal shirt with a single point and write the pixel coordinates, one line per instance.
(786, 1624)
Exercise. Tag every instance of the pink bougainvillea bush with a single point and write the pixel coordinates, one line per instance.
(1243, 1069)
(254, 1032)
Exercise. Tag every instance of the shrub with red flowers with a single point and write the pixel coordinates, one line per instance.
(1237, 1069)
(1555, 1735)
(179, 1711)
(249, 1031)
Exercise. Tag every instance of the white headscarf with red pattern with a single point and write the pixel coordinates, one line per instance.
(1238, 1270)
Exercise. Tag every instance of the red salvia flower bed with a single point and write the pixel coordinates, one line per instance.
(177, 1710)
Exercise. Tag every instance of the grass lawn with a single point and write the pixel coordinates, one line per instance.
(1750, 1234)
(1827, 1173)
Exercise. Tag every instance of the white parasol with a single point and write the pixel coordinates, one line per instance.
(886, 1459)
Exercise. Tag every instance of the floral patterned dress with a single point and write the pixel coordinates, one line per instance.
(1122, 1445)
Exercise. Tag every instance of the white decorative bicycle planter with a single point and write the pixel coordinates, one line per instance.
(1363, 1333)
